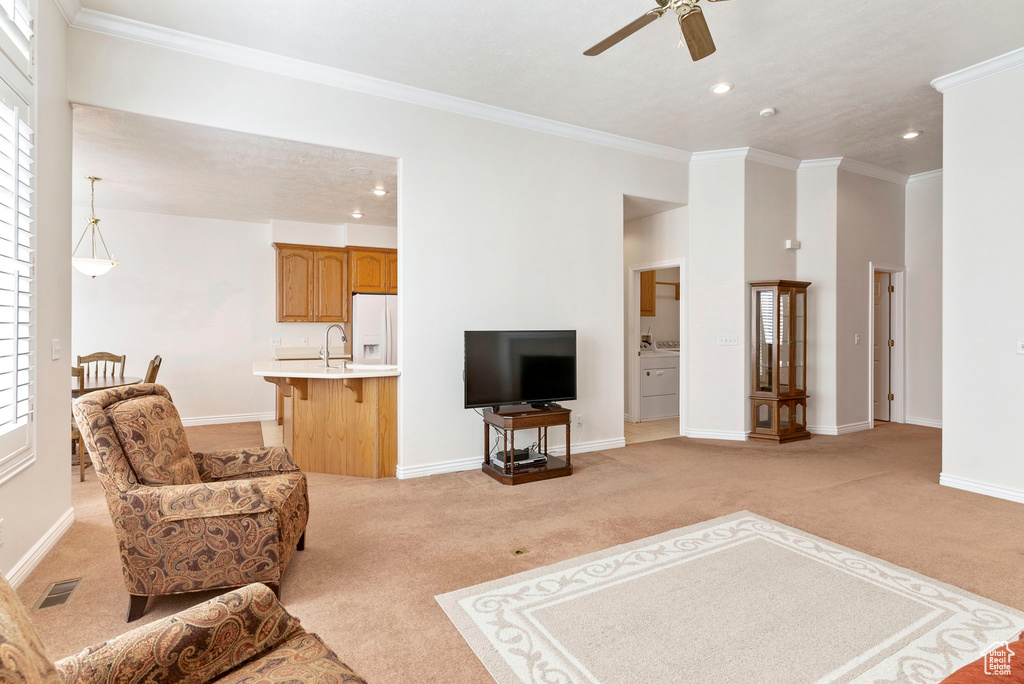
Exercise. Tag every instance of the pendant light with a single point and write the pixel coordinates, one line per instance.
(92, 265)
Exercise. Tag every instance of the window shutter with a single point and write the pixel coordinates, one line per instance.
(16, 22)
(16, 270)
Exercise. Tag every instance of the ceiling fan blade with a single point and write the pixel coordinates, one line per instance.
(624, 32)
(697, 34)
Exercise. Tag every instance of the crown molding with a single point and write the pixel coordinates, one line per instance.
(231, 53)
(751, 153)
(69, 9)
(855, 166)
(979, 71)
(927, 175)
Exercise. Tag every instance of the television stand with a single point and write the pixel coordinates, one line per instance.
(513, 418)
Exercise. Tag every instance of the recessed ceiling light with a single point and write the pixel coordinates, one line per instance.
(360, 171)
(357, 214)
(721, 88)
(380, 192)
(911, 135)
(768, 112)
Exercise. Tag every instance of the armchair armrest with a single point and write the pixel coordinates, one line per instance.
(192, 501)
(251, 462)
(195, 645)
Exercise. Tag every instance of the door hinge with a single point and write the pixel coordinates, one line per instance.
(892, 288)
(892, 397)
(892, 343)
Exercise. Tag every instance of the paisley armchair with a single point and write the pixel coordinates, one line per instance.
(243, 636)
(189, 521)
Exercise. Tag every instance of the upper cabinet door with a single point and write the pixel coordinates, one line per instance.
(295, 285)
(392, 263)
(369, 271)
(648, 293)
(332, 294)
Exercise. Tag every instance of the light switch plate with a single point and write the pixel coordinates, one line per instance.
(728, 340)
(856, 339)
(1020, 346)
(55, 350)
(1, 531)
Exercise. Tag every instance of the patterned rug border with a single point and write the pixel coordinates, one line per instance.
(501, 671)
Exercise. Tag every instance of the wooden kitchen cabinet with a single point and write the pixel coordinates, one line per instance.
(312, 284)
(648, 293)
(374, 270)
(295, 283)
(392, 262)
(332, 294)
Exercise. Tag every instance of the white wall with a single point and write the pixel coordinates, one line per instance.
(982, 239)
(924, 301)
(817, 262)
(202, 294)
(871, 219)
(717, 294)
(35, 504)
(478, 200)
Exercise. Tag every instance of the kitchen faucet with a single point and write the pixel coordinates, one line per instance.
(325, 353)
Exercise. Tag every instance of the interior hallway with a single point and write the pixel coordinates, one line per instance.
(651, 430)
(378, 551)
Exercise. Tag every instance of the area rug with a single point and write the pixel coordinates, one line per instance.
(738, 599)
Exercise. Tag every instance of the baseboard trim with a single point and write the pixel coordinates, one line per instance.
(836, 430)
(596, 445)
(234, 418)
(925, 422)
(30, 560)
(715, 434)
(462, 464)
(981, 488)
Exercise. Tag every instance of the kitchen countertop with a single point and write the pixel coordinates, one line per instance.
(312, 369)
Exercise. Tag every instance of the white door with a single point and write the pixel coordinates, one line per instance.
(882, 347)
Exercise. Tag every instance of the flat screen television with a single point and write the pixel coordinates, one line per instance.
(519, 367)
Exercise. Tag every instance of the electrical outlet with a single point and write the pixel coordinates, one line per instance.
(275, 341)
(1020, 346)
(579, 420)
(728, 340)
(55, 350)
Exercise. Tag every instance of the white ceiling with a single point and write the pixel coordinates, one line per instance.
(847, 77)
(167, 167)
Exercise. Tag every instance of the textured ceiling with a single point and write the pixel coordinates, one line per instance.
(847, 77)
(167, 167)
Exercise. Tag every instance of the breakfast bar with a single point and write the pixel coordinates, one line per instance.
(340, 420)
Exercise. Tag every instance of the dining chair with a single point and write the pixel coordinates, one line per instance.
(102, 364)
(77, 443)
(154, 368)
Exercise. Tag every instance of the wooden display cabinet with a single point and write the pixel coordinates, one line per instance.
(778, 360)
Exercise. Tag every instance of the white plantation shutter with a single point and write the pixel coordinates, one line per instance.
(16, 273)
(16, 22)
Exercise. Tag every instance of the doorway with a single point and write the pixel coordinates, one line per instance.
(886, 379)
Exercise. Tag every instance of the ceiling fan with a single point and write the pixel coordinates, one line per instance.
(691, 20)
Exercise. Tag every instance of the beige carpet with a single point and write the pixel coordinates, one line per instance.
(378, 552)
(737, 600)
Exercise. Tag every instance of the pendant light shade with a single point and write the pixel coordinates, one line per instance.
(93, 265)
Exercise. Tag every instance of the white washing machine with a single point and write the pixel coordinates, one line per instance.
(659, 381)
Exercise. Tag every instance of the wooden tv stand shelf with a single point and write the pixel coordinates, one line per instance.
(513, 418)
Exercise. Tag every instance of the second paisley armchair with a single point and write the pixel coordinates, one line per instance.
(189, 521)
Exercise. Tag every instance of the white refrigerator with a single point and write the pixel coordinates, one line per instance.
(375, 328)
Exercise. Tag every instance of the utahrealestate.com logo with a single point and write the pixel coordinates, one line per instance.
(997, 660)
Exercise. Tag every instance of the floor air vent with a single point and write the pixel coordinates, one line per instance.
(58, 594)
